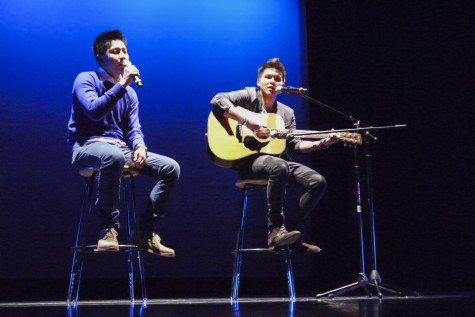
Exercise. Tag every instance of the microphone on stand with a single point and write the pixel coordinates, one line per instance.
(290, 90)
(137, 79)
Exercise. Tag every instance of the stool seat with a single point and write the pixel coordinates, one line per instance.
(251, 182)
(126, 172)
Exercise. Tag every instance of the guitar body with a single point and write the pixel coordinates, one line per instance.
(226, 150)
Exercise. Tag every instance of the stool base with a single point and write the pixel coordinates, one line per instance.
(80, 249)
(239, 251)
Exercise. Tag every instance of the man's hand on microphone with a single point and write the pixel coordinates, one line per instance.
(128, 76)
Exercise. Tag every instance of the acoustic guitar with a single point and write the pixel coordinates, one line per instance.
(229, 143)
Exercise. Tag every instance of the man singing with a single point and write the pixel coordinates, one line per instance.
(105, 133)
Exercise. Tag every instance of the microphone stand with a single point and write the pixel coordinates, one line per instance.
(362, 281)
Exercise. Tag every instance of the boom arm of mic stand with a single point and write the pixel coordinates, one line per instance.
(356, 122)
(353, 119)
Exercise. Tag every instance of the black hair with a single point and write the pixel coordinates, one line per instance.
(272, 63)
(103, 41)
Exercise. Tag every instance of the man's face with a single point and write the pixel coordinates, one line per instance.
(114, 57)
(269, 80)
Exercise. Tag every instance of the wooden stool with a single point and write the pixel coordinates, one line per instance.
(80, 248)
(247, 185)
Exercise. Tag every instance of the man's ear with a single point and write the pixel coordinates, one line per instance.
(99, 59)
(258, 81)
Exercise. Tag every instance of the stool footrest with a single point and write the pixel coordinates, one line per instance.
(93, 248)
(262, 251)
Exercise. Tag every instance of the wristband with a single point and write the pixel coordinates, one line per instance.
(243, 121)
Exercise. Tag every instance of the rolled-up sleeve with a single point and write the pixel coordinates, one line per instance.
(225, 100)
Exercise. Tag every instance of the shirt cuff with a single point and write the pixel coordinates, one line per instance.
(141, 145)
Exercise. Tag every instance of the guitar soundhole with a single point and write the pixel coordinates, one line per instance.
(254, 145)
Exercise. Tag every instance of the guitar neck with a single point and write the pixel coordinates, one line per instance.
(307, 134)
(347, 137)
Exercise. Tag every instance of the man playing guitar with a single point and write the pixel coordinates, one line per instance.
(246, 107)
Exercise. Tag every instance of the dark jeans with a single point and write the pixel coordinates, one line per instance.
(281, 173)
(110, 159)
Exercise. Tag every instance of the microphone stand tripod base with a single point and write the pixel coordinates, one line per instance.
(361, 282)
(364, 283)
(375, 281)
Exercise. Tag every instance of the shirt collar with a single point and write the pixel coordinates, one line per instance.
(261, 102)
(104, 76)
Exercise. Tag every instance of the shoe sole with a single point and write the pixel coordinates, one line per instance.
(308, 252)
(146, 248)
(165, 255)
(312, 251)
(290, 239)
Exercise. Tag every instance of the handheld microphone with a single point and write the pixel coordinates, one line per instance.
(290, 90)
(137, 79)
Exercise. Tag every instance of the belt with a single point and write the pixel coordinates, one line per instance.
(107, 140)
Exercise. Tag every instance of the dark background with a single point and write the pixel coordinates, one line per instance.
(393, 63)
(383, 63)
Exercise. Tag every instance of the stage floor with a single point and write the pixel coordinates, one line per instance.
(426, 305)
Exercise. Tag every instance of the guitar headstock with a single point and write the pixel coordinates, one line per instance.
(352, 138)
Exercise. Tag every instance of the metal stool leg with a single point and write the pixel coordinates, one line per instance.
(130, 255)
(239, 243)
(141, 275)
(134, 260)
(78, 257)
(290, 274)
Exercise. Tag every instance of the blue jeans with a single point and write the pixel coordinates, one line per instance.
(280, 174)
(110, 159)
